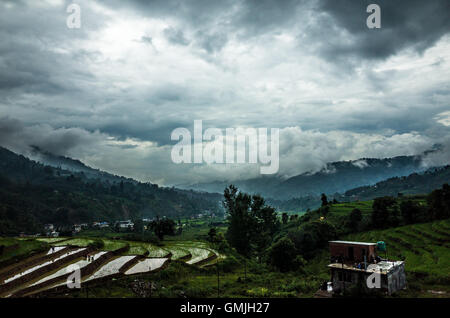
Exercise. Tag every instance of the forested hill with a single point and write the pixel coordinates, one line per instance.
(415, 183)
(32, 194)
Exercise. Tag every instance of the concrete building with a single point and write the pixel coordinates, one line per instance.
(357, 263)
(125, 224)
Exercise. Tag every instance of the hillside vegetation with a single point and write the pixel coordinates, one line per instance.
(32, 194)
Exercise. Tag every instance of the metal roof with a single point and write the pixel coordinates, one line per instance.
(350, 242)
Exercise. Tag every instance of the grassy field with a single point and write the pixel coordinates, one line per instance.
(24, 248)
(82, 242)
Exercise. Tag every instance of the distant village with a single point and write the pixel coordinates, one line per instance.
(51, 230)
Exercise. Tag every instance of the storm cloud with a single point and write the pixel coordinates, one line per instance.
(111, 92)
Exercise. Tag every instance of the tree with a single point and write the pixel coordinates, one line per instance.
(138, 226)
(411, 212)
(355, 217)
(212, 234)
(162, 227)
(282, 255)
(311, 236)
(250, 221)
(324, 199)
(384, 212)
(284, 217)
(439, 202)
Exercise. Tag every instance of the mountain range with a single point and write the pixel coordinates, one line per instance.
(63, 190)
(336, 177)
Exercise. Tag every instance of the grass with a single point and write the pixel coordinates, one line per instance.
(82, 242)
(25, 248)
(51, 240)
(112, 245)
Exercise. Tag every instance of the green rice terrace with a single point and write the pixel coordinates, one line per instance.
(35, 266)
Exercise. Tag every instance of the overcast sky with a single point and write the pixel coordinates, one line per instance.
(111, 92)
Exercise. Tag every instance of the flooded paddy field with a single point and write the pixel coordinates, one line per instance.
(128, 258)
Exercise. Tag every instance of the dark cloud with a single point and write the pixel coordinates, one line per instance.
(21, 138)
(412, 24)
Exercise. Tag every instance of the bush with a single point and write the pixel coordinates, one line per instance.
(97, 244)
(229, 264)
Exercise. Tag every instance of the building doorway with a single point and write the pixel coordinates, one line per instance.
(351, 254)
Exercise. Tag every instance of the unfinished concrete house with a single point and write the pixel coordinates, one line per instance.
(353, 263)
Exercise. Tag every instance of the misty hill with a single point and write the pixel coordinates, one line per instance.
(73, 165)
(415, 183)
(32, 194)
(336, 177)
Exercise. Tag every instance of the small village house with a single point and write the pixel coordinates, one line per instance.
(353, 263)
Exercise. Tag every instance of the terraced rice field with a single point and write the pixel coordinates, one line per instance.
(42, 265)
(140, 248)
(192, 252)
(111, 268)
(199, 250)
(146, 265)
(55, 249)
(343, 209)
(178, 252)
(82, 263)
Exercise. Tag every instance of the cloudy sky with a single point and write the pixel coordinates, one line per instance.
(111, 92)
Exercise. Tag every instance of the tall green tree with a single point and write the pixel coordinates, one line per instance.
(354, 218)
(284, 218)
(251, 223)
(324, 199)
(439, 202)
(384, 212)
